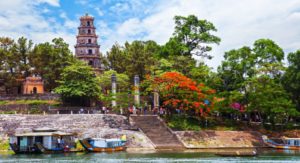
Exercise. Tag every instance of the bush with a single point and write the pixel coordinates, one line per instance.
(180, 122)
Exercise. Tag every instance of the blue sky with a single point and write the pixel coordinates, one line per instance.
(239, 23)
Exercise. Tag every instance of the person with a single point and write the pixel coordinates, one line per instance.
(134, 110)
(62, 143)
(161, 111)
(81, 111)
(58, 142)
(103, 109)
(123, 138)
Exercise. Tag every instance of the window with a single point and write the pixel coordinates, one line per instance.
(90, 40)
(89, 31)
(88, 23)
(91, 63)
(90, 51)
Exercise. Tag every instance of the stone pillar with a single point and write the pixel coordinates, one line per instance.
(155, 99)
(114, 89)
(136, 90)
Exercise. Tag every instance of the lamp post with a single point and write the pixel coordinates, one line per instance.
(113, 89)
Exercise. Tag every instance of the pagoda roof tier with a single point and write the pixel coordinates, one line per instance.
(87, 45)
(87, 35)
(90, 27)
(87, 56)
(87, 16)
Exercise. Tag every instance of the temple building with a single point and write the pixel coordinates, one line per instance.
(33, 85)
(87, 48)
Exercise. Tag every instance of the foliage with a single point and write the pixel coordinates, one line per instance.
(184, 123)
(49, 59)
(191, 36)
(291, 78)
(122, 80)
(30, 102)
(136, 58)
(78, 81)
(180, 92)
(269, 98)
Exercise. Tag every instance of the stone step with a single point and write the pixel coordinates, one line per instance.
(157, 132)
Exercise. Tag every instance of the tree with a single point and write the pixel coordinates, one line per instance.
(291, 78)
(122, 81)
(241, 66)
(136, 58)
(49, 59)
(6, 44)
(192, 36)
(21, 51)
(180, 92)
(268, 97)
(78, 84)
(117, 58)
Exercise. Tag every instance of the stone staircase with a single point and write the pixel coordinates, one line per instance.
(156, 130)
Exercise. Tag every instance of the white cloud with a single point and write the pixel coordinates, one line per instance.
(23, 18)
(50, 2)
(99, 12)
(239, 23)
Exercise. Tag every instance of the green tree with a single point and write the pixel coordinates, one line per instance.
(21, 51)
(78, 84)
(117, 58)
(49, 59)
(268, 97)
(191, 36)
(291, 78)
(122, 81)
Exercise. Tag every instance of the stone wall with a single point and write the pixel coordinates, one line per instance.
(220, 139)
(85, 125)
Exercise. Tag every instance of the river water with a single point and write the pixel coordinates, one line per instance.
(265, 156)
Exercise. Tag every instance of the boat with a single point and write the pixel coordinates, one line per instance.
(237, 153)
(282, 143)
(103, 145)
(42, 141)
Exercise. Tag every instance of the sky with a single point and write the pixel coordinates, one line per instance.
(239, 22)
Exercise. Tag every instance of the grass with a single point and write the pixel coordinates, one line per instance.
(188, 123)
(179, 122)
(30, 102)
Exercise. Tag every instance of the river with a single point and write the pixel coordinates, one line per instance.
(264, 156)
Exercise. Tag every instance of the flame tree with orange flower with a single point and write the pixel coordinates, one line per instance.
(179, 92)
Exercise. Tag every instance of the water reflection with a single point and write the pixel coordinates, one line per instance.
(190, 156)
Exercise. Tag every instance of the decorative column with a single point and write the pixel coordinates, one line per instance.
(155, 99)
(136, 90)
(113, 89)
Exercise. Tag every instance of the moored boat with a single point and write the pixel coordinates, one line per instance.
(42, 141)
(237, 153)
(282, 143)
(103, 145)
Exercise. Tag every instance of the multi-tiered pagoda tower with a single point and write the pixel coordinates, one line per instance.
(87, 48)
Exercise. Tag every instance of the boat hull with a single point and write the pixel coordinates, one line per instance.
(90, 148)
(40, 149)
(272, 144)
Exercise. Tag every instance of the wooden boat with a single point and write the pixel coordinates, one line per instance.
(42, 141)
(237, 154)
(103, 145)
(282, 143)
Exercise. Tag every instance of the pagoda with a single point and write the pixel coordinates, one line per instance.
(87, 48)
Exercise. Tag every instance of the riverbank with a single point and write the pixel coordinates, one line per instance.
(112, 126)
(84, 125)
